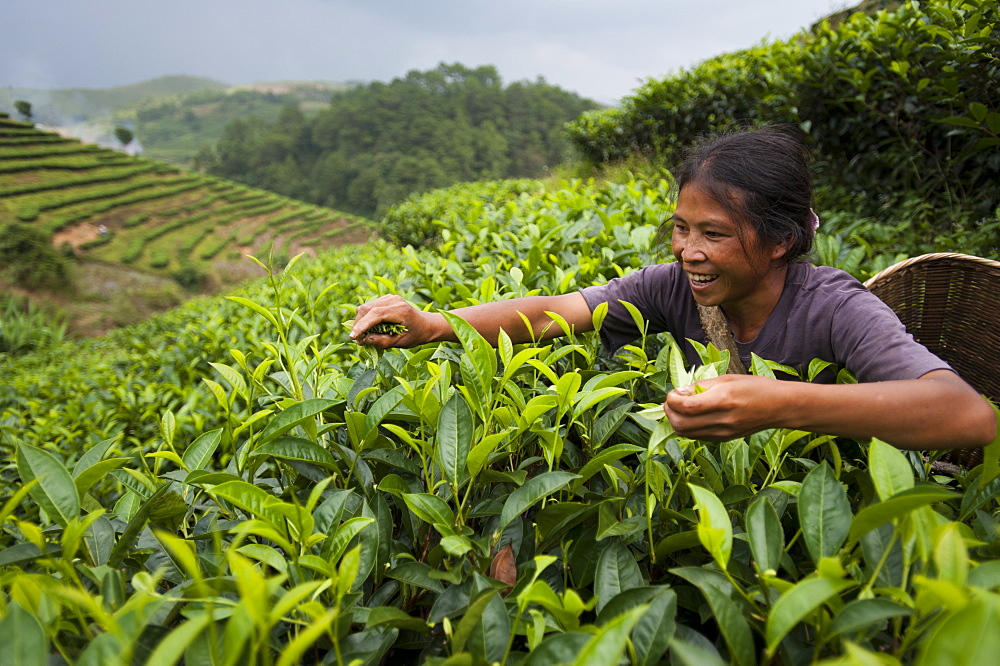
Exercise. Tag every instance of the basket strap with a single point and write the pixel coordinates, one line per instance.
(717, 328)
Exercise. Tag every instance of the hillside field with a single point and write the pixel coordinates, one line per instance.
(139, 225)
(154, 216)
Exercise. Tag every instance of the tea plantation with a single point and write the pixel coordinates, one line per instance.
(109, 207)
(234, 482)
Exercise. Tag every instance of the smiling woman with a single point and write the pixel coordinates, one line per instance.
(743, 218)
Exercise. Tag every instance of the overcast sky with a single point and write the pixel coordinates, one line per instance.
(601, 49)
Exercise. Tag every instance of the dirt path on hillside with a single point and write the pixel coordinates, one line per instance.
(76, 235)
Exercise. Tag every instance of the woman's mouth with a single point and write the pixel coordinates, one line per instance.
(699, 280)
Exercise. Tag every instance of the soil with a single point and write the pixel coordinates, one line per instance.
(76, 235)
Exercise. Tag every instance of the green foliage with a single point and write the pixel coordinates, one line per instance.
(189, 277)
(181, 129)
(376, 144)
(24, 327)
(902, 107)
(28, 258)
(235, 482)
(124, 135)
(28, 214)
(24, 108)
(419, 219)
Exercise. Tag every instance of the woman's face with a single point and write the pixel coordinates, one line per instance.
(724, 260)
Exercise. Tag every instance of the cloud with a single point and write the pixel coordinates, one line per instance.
(602, 49)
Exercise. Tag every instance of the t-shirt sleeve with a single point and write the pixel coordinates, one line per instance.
(872, 343)
(648, 289)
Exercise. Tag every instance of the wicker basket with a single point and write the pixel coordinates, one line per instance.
(951, 304)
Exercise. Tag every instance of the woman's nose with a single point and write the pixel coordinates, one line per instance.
(690, 251)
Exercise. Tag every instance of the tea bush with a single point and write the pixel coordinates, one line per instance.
(28, 258)
(233, 482)
(25, 327)
(419, 219)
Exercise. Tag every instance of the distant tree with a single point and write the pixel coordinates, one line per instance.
(24, 108)
(377, 143)
(28, 258)
(205, 159)
(124, 135)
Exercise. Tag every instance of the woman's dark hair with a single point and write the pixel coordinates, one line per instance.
(759, 176)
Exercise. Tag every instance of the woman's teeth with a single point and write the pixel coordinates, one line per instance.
(695, 277)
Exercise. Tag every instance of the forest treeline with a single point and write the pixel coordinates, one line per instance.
(377, 143)
(174, 129)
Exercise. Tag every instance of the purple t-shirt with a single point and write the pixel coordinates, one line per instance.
(822, 313)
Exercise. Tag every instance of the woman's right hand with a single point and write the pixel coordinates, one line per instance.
(420, 326)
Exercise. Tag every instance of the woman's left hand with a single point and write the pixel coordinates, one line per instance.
(727, 407)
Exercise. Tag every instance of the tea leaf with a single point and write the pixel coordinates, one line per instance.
(729, 616)
(417, 574)
(86, 478)
(891, 472)
(22, 638)
(531, 492)
(991, 455)
(617, 572)
(652, 633)
(557, 649)
(487, 627)
(690, 654)
(961, 639)
(55, 491)
(93, 455)
(792, 606)
(608, 644)
(431, 509)
(256, 308)
(337, 546)
(293, 651)
(866, 614)
(296, 414)
(168, 426)
(385, 404)
(767, 540)
(951, 558)
(824, 512)
(395, 617)
(454, 439)
(135, 525)
(201, 450)
(606, 456)
(898, 506)
(297, 449)
(715, 529)
(98, 540)
(585, 401)
(481, 452)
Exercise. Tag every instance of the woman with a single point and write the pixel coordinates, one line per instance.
(743, 218)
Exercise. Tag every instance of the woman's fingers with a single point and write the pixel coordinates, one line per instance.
(390, 308)
(412, 327)
(718, 409)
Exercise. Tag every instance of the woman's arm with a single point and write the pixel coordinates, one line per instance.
(488, 319)
(937, 411)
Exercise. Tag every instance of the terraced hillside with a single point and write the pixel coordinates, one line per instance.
(103, 205)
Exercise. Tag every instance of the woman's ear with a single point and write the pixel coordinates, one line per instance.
(779, 250)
